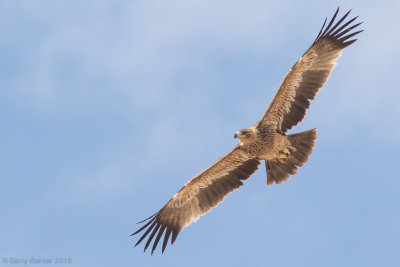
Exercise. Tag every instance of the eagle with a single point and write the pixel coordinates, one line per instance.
(265, 141)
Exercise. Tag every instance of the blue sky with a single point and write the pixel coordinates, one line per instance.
(109, 107)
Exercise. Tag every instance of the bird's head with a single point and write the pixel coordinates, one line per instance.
(246, 135)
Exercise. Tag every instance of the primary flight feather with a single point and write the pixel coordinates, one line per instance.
(265, 141)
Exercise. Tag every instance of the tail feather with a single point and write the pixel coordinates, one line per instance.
(301, 147)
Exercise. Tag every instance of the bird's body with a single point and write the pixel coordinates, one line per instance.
(262, 142)
(265, 141)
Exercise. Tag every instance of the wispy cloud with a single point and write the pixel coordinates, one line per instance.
(106, 99)
(158, 60)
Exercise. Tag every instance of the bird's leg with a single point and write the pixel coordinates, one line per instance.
(284, 153)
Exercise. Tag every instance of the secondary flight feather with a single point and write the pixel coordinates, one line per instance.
(264, 141)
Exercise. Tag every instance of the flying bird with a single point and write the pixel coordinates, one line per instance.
(264, 141)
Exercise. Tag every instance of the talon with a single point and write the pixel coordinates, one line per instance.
(282, 156)
(286, 151)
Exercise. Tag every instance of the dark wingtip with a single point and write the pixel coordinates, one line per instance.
(166, 237)
(339, 32)
(147, 231)
(158, 237)
(154, 231)
(147, 218)
(149, 222)
(320, 31)
(174, 236)
(349, 42)
(344, 38)
(339, 22)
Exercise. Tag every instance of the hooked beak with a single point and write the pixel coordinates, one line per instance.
(235, 136)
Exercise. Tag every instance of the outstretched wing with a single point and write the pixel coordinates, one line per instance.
(308, 75)
(198, 196)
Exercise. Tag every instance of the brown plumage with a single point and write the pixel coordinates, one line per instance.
(266, 140)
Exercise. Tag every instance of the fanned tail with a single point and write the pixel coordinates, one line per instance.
(301, 147)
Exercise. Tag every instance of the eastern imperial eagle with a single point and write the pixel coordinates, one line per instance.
(264, 141)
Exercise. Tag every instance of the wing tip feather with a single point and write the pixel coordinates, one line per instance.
(336, 32)
(156, 228)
